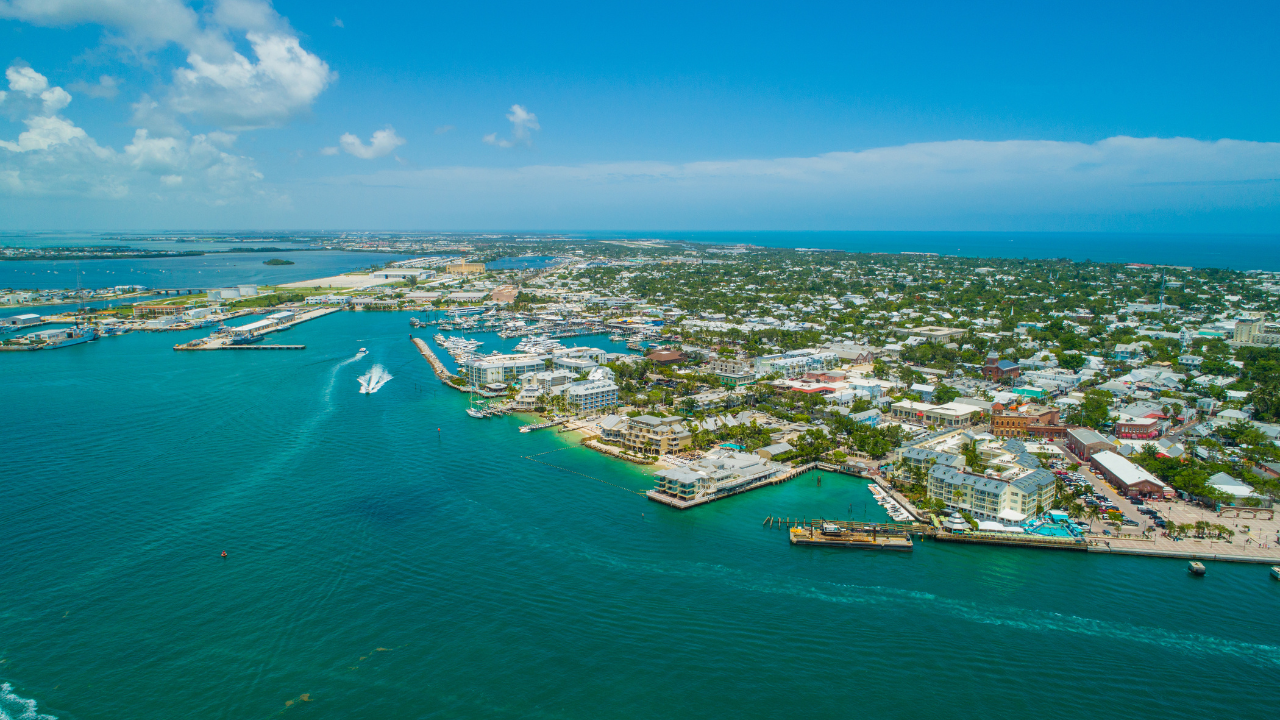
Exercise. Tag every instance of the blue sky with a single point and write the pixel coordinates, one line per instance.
(130, 114)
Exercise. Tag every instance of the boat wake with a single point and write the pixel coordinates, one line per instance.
(373, 380)
(13, 707)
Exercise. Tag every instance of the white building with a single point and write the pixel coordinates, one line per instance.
(592, 395)
(498, 368)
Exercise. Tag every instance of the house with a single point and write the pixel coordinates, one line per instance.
(924, 391)
(769, 451)
(867, 417)
(996, 369)
(1125, 352)
(1239, 490)
(667, 357)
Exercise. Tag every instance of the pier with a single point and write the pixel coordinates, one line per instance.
(436, 366)
(224, 340)
(859, 536)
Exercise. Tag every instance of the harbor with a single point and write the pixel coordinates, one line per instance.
(245, 336)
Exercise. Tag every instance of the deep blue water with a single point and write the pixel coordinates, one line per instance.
(204, 271)
(1237, 252)
(390, 557)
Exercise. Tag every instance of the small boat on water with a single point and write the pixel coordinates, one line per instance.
(362, 353)
(1196, 568)
(1275, 572)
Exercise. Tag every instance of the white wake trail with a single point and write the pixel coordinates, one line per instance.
(373, 380)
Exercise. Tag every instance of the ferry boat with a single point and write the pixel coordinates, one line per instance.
(1196, 568)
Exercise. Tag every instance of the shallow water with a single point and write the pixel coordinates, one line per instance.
(390, 557)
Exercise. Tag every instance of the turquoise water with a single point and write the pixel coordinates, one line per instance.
(201, 271)
(503, 587)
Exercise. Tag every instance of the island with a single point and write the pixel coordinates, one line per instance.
(277, 261)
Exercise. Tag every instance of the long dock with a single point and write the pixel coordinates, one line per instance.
(1013, 540)
(437, 367)
(1181, 555)
(215, 342)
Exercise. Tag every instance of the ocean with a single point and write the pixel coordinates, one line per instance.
(1234, 252)
(390, 557)
(199, 271)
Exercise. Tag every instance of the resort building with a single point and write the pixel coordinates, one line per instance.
(718, 473)
(592, 396)
(987, 497)
(656, 436)
(796, 363)
(1128, 478)
(480, 371)
(732, 371)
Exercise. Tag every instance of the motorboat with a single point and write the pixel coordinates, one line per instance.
(1197, 568)
(1275, 572)
(362, 353)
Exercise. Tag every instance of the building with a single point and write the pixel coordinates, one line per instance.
(855, 354)
(1138, 429)
(1084, 442)
(480, 371)
(1128, 478)
(796, 363)
(1036, 421)
(914, 457)
(996, 369)
(464, 268)
(933, 333)
(666, 357)
(20, 320)
(149, 311)
(718, 473)
(592, 396)
(1239, 490)
(732, 371)
(656, 436)
(986, 497)
(769, 451)
(401, 274)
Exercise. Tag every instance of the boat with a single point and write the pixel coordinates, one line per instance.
(362, 353)
(1197, 568)
(475, 413)
(1275, 572)
(63, 337)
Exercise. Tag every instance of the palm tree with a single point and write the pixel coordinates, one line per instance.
(1092, 514)
(1075, 510)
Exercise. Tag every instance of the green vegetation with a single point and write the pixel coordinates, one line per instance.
(277, 261)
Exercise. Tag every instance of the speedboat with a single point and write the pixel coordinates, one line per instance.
(362, 353)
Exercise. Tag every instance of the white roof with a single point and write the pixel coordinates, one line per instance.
(1125, 471)
(1011, 515)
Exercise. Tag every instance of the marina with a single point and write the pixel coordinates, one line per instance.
(852, 535)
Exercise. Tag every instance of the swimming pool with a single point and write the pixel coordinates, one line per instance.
(1052, 530)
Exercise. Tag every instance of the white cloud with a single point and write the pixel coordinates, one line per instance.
(219, 84)
(382, 143)
(106, 88)
(523, 123)
(54, 157)
(333, 150)
(241, 94)
(26, 81)
(337, 22)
